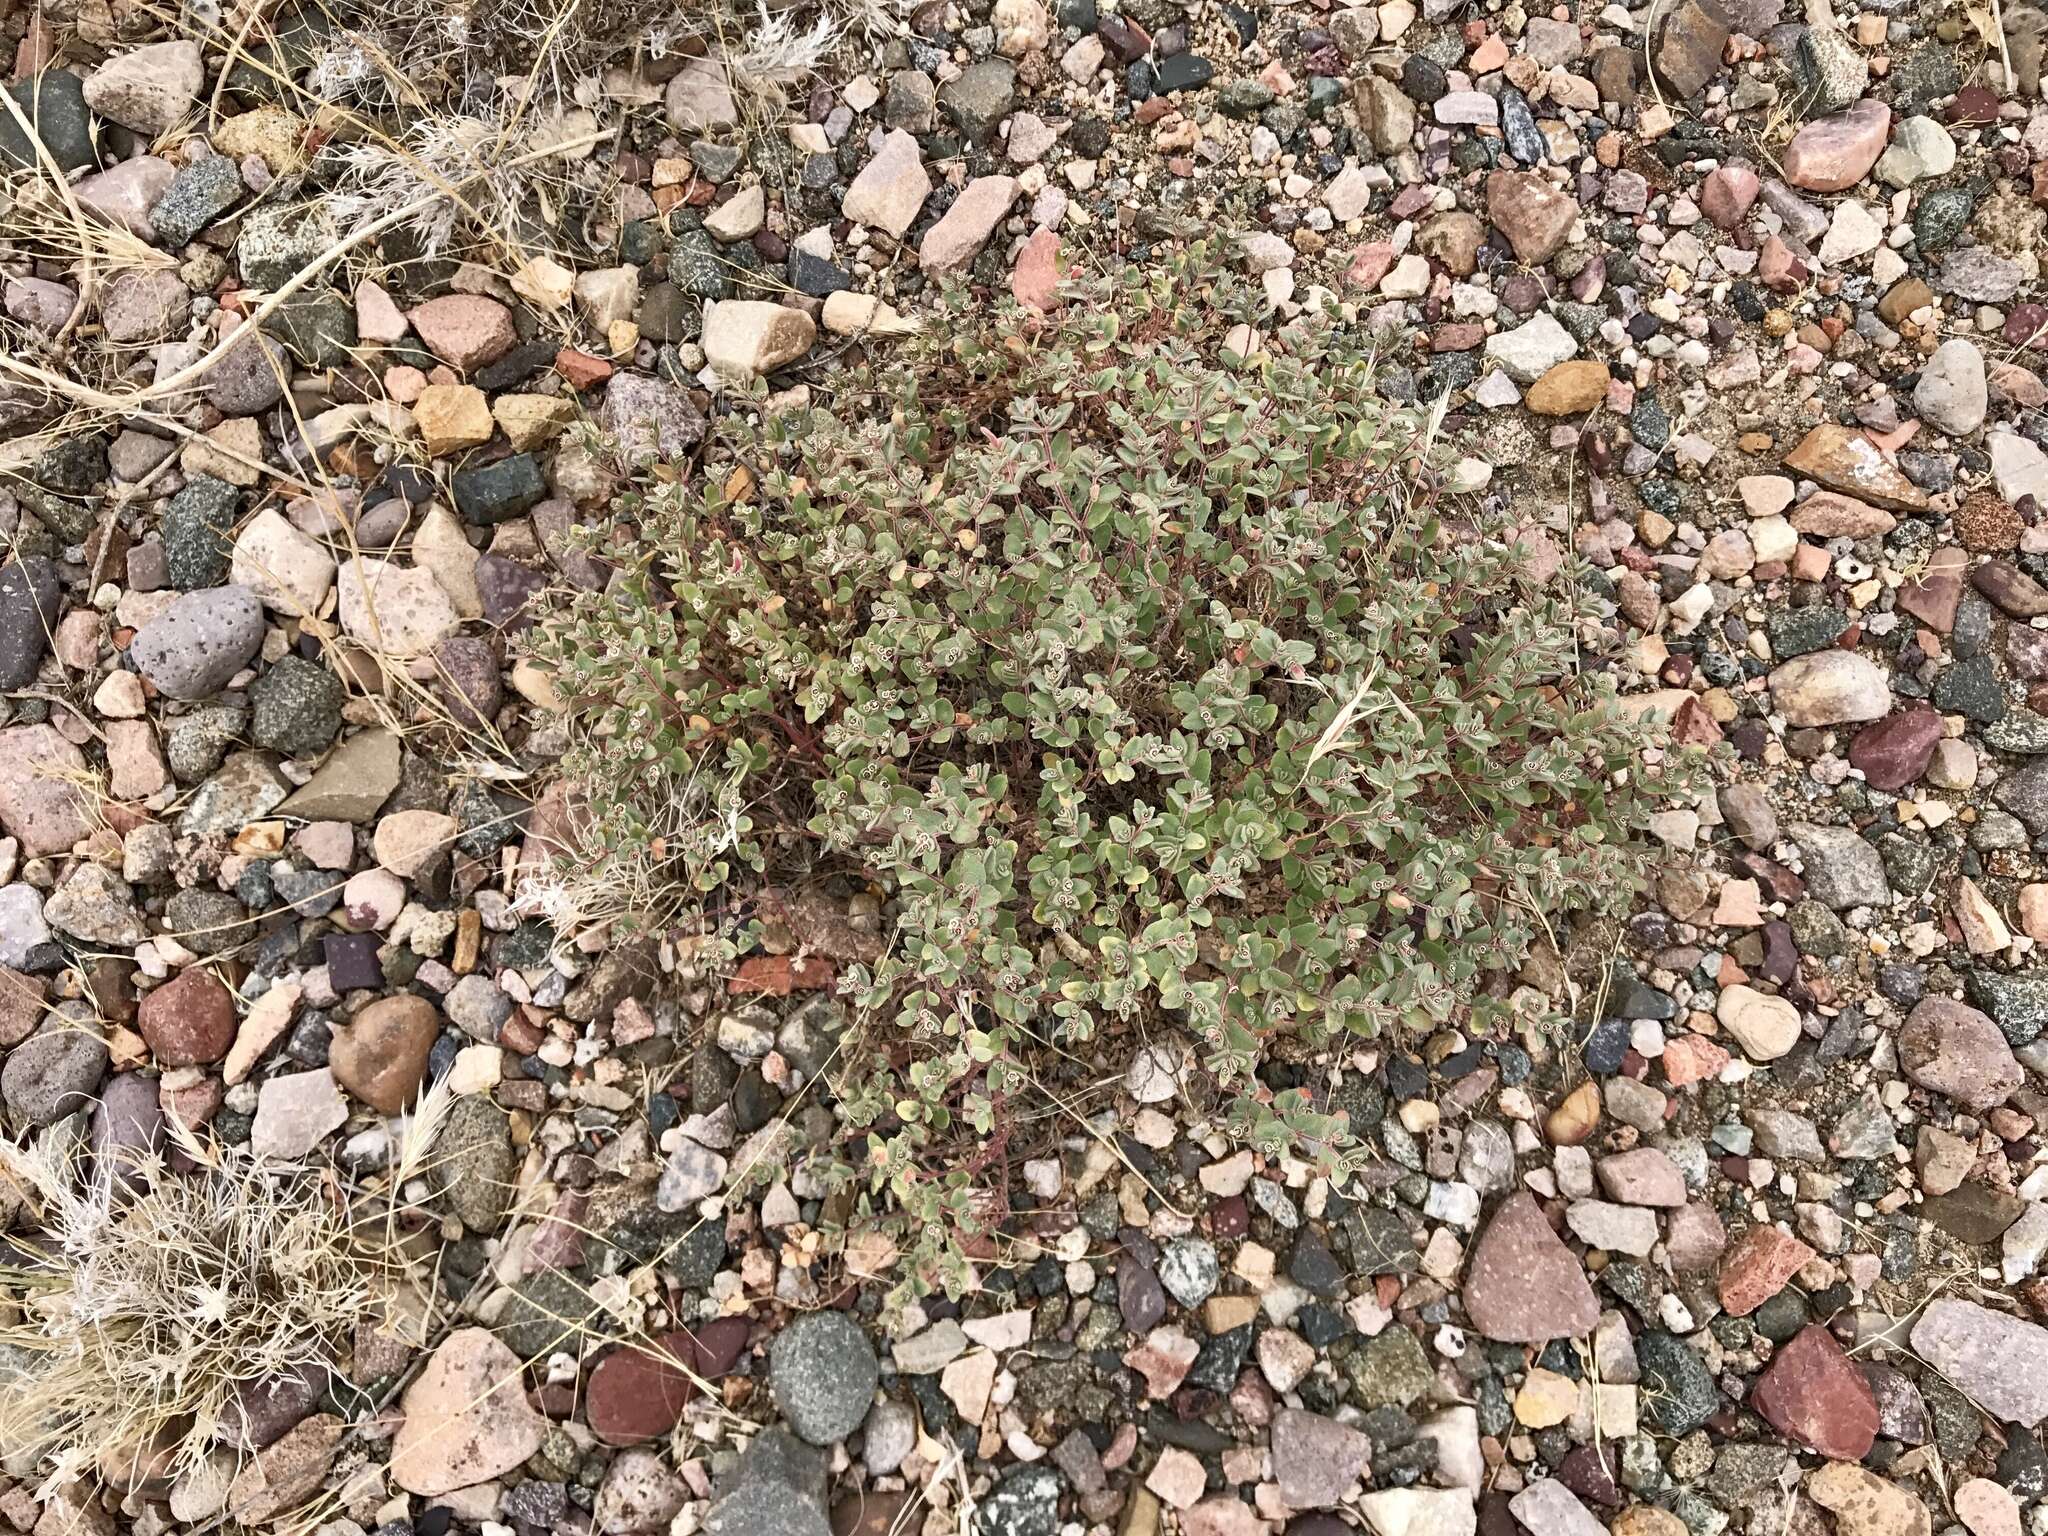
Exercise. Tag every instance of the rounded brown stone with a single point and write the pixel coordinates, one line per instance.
(189, 1021)
(380, 1055)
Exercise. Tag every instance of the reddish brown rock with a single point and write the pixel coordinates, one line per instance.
(1832, 154)
(719, 1345)
(1950, 1048)
(1689, 46)
(189, 1021)
(1844, 459)
(636, 1394)
(1933, 598)
(1523, 1286)
(1894, 752)
(1814, 1394)
(381, 1054)
(1535, 216)
(2010, 589)
(1756, 1267)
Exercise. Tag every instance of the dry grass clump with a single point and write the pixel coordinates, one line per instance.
(148, 1298)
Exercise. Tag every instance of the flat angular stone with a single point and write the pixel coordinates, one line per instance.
(1757, 1266)
(1814, 1394)
(1522, 1284)
(1998, 1360)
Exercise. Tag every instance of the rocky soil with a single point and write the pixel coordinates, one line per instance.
(1745, 307)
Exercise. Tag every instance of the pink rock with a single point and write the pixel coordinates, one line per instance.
(135, 770)
(1815, 1395)
(1370, 263)
(465, 330)
(40, 799)
(1036, 278)
(1642, 1176)
(125, 194)
(958, 237)
(1523, 1286)
(1832, 154)
(1934, 598)
(1727, 193)
(377, 317)
(1694, 1238)
(1778, 266)
(1757, 1267)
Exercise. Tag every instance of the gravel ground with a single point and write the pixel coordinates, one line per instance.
(1744, 307)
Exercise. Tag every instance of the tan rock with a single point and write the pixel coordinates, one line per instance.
(544, 283)
(290, 571)
(741, 216)
(532, 421)
(607, 296)
(452, 417)
(1766, 1027)
(441, 547)
(269, 132)
(230, 451)
(407, 842)
(891, 189)
(745, 338)
(1864, 1504)
(395, 611)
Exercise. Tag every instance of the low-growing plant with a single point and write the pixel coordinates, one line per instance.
(1147, 682)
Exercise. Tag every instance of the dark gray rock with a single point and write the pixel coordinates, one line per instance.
(979, 98)
(296, 707)
(208, 922)
(500, 491)
(55, 103)
(1841, 869)
(29, 598)
(1678, 1391)
(822, 1371)
(196, 197)
(54, 1072)
(199, 533)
